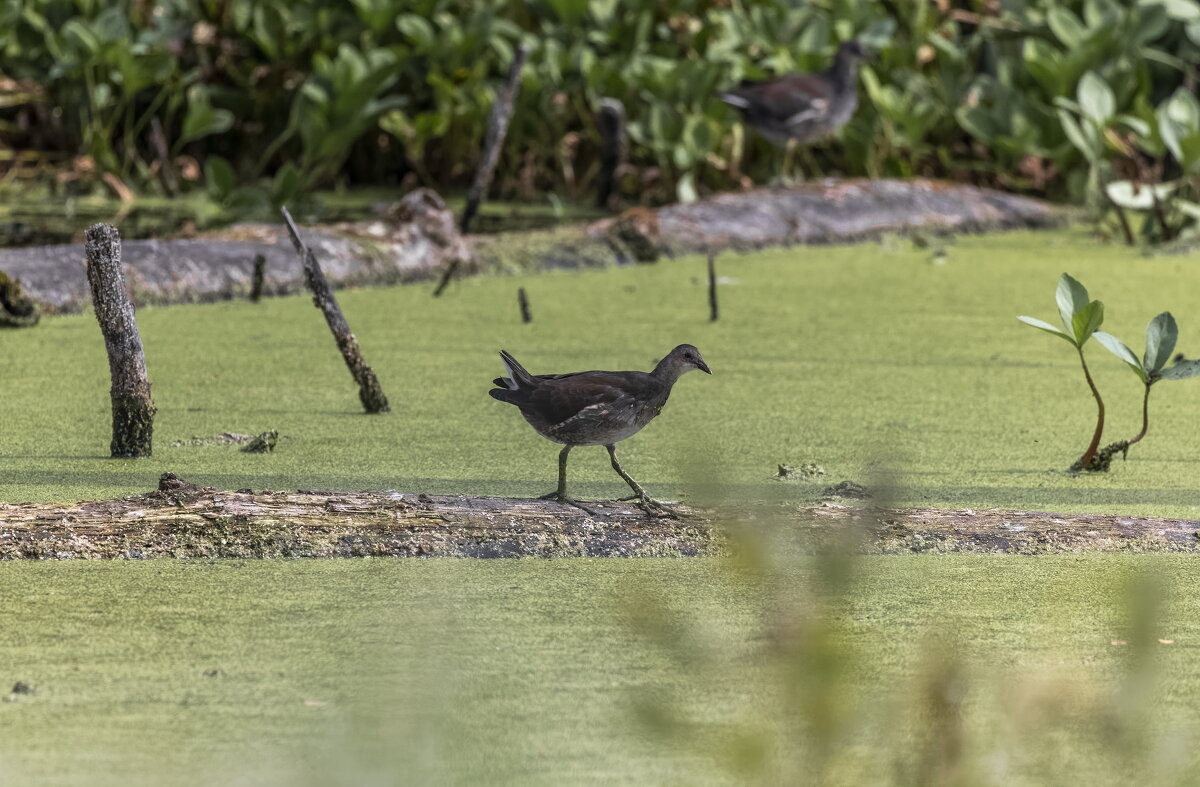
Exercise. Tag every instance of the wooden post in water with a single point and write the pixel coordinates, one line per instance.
(369, 392)
(493, 141)
(256, 283)
(523, 302)
(610, 122)
(132, 407)
(714, 311)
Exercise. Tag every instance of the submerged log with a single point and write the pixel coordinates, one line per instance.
(132, 407)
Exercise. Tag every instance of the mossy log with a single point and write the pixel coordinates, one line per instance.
(183, 520)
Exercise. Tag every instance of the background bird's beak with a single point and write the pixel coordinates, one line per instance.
(702, 366)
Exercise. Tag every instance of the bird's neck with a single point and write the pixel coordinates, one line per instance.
(841, 73)
(666, 372)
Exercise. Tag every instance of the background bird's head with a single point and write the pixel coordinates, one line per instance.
(853, 51)
(682, 359)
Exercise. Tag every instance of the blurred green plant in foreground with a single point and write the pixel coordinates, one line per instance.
(817, 709)
(259, 102)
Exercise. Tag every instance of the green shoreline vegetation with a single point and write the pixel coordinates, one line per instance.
(921, 382)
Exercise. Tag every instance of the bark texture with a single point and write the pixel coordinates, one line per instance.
(369, 390)
(132, 406)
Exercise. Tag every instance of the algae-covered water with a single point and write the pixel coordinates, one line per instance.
(896, 670)
(888, 364)
(885, 364)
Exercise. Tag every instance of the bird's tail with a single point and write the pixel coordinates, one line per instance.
(734, 100)
(517, 376)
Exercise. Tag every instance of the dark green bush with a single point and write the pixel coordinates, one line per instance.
(1055, 97)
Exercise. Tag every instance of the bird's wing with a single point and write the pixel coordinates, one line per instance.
(584, 395)
(789, 100)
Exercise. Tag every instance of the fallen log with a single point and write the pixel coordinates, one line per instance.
(412, 242)
(183, 520)
(418, 239)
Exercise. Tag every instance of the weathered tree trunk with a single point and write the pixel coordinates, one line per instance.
(132, 407)
(369, 391)
(497, 130)
(610, 122)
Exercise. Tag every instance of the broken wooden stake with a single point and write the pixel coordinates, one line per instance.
(447, 275)
(256, 283)
(369, 392)
(523, 301)
(132, 407)
(610, 122)
(713, 310)
(493, 141)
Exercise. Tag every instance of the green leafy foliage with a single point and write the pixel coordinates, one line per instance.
(1017, 94)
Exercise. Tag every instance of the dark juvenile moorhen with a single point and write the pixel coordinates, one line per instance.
(802, 107)
(594, 408)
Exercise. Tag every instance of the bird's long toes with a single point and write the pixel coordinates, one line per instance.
(652, 507)
(568, 501)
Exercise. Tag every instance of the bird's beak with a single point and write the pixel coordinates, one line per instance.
(702, 366)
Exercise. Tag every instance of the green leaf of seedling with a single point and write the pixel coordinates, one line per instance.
(1139, 196)
(1181, 371)
(1096, 99)
(1071, 296)
(1086, 321)
(1119, 349)
(1161, 335)
(1045, 326)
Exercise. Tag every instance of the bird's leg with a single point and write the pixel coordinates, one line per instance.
(639, 494)
(560, 494)
(789, 162)
(810, 163)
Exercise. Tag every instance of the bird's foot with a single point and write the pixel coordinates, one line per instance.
(651, 506)
(567, 501)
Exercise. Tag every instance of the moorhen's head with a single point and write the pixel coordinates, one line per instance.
(852, 51)
(682, 359)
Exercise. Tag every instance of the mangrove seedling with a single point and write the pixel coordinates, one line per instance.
(1081, 317)
(1161, 335)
